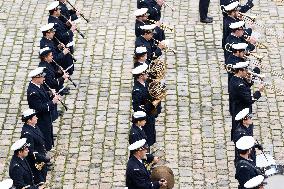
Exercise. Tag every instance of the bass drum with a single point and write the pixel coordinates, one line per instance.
(165, 172)
(275, 177)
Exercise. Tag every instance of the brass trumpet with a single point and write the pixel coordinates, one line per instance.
(258, 57)
(162, 26)
(246, 17)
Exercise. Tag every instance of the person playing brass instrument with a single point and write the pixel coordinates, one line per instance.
(154, 8)
(19, 169)
(147, 40)
(142, 101)
(37, 152)
(237, 36)
(240, 93)
(137, 176)
(142, 19)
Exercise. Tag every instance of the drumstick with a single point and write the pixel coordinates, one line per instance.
(262, 151)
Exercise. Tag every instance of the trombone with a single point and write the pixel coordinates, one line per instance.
(252, 19)
(162, 26)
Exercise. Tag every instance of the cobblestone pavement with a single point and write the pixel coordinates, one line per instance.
(194, 128)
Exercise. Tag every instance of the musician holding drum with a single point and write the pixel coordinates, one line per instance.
(137, 176)
(37, 152)
(245, 167)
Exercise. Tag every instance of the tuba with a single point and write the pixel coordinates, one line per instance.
(163, 172)
(157, 90)
(157, 70)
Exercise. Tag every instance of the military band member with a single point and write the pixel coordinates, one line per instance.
(6, 184)
(240, 92)
(245, 128)
(47, 40)
(255, 182)
(137, 176)
(19, 170)
(154, 8)
(63, 34)
(140, 56)
(54, 77)
(37, 152)
(142, 19)
(43, 104)
(242, 8)
(232, 13)
(142, 101)
(70, 14)
(237, 55)
(245, 167)
(146, 40)
(238, 36)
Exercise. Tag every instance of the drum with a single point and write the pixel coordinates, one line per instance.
(264, 161)
(276, 179)
(272, 171)
(165, 172)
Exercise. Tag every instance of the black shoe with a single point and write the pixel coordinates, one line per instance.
(206, 20)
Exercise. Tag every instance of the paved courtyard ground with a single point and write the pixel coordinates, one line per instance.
(194, 127)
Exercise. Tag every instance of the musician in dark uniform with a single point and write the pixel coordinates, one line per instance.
(237, 55)
(255, 183)
(137, 176)
(58, 50)
(243, 8)
(43, 104)
(238, 35)
(70, 14)
(37, 151)
(140, 56)
(245, 128)
(146, 40)
(154, 8)
(142, 19)
(54, 77)
(245, 167)
(63, 34)
(203, 11)
(19, 170)
(240, 92)
(142, 101)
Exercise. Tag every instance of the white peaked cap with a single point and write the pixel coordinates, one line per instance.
(231, 6)
(236, 25)
(140, 69)
(52, 5)
(242, 114)
(19, 144)
(47, 27)
(136, 145)
(36, 72)
(148, 27)
(140, 12)
(245, 143)
(241, 65)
